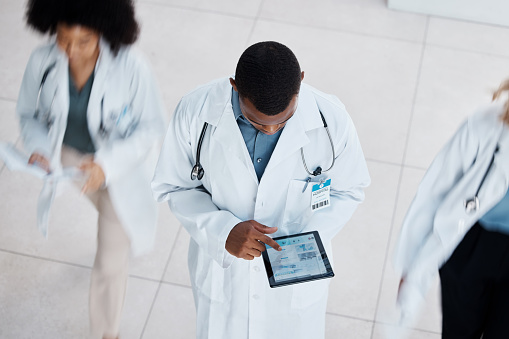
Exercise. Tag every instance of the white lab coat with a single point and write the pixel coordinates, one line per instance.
(125, 94)
(233, 298)
(436, 221)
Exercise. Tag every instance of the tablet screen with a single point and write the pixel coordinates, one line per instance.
(301, 259)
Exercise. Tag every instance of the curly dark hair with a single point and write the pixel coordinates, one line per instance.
(268, 74)
(113, 19)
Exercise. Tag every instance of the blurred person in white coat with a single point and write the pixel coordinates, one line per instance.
(458, 225)
(89, 100)
(250, 181)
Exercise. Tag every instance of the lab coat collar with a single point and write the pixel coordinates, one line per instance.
(220, 95)
(501, 161)
(217, 111)
(100, 86)
(306, 118)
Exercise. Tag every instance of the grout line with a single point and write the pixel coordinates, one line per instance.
(285, 22)
(340, 30)
(195, 9)
(255, 22)
(349, 317)
(408, 328)
(395, 164)
(405, 149)
(465, 50)
(45, 259)
(8, 99)
(176, 284)
(89, 267)
(160, 283)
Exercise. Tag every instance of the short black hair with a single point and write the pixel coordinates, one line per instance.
(268, 74)
(113, 19)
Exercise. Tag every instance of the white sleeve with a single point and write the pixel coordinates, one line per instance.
(437, 182)
(189, 201)
(119, 156)
(33, 131)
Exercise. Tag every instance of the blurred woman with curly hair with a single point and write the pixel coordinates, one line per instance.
(89, 100)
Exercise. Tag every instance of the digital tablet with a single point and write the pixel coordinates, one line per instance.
(301, 259)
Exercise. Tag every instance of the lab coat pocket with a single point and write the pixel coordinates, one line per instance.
(298, 203)
(118, 120)
(309, 293)
(126, 121)
(209, 277)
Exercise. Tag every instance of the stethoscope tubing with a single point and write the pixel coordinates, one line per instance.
(197, 171)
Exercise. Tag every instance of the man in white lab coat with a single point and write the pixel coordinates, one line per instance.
(263, 146)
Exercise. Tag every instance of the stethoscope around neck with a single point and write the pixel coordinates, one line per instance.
(103, 130)
(47, 114)
(198, 171)
(472, 205)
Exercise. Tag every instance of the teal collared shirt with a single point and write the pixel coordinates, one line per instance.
(497, 219)
(259, 145)
(76, 134)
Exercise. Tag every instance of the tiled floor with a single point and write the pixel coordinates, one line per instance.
(406, 79)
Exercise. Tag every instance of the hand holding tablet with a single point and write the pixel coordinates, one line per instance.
(302, 259)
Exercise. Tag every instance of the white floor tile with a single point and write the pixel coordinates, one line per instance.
(72, 225)
(42, 299)
(240, 8)
(347, 328)
(369, 17)
(17, 42)
(429, 318)
(177, 271)
(383, 331)
(151, 265)
(190, 48)
(359, 248)
(451, 86)
(468, 36)
(138, 302)
(375, 79)
(9, 127)
(173, 315)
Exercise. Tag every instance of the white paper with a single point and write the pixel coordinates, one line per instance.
(18, 161)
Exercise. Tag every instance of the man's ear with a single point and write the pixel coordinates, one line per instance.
(301, 76)
(234, 85)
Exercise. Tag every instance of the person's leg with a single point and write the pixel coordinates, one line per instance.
(465, 293)
(497, 320)
(109, 273)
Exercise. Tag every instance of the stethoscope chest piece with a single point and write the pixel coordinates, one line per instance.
(471, 205)
(197, 172)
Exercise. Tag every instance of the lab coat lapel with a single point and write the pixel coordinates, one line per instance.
(291, 140)
(293, 137)
(99, 88)
(227, 133)
(501, 162)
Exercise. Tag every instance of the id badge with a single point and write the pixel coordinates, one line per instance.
(320, 195)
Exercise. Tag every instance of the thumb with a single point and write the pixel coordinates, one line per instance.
(85, 165)
(264, 229)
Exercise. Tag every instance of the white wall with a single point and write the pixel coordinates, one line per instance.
(486, 11)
